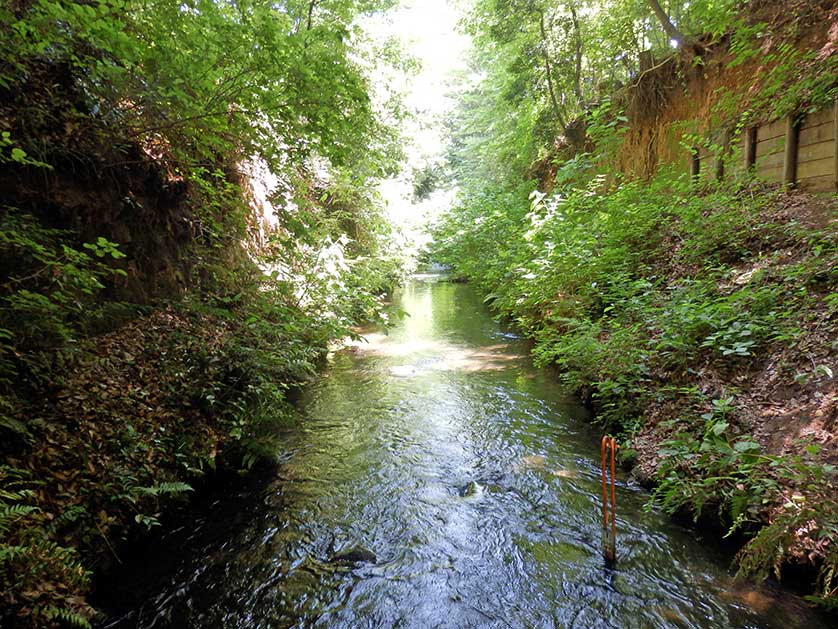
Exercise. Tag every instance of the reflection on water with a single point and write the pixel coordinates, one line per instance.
(438, 480)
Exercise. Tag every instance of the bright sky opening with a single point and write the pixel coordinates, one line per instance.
(428, 30)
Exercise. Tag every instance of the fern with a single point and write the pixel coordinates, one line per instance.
(51, 612)
(9, 514)
(30, 560)
(16, 496)
(165, 488)
(71, 515)
(13, 425)
(9, 554)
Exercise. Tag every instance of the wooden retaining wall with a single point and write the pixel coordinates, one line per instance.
(817, 157)
(802, 152)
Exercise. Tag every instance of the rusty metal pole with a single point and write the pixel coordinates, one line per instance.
(608, 446)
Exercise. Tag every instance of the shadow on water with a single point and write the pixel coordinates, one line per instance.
(439, 480)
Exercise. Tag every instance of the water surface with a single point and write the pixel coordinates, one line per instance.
(464, 483)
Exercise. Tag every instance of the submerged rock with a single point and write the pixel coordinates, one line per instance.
(530, 462)
(565, 473)
(353, 556)
(473, 488)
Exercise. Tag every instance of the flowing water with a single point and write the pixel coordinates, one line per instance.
(438, 480)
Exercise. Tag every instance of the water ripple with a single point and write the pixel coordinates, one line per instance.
(472, 480)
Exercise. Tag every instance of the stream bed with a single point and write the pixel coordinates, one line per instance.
(437, 479)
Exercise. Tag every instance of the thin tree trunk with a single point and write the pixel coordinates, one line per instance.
(311, 6)
(668, 27)
(556, 109)
(577, 76)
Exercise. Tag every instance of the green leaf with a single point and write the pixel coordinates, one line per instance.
(746, 446)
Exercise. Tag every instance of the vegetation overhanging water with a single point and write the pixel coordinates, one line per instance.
(200, 197)
(439, 480)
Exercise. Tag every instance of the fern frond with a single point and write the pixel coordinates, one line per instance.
(53, 612)
(11, 513)
(165, 488)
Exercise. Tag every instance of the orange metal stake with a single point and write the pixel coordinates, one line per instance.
(609, 508)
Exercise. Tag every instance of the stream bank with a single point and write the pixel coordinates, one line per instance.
(438, 479)
(700, 323)
(139, 420)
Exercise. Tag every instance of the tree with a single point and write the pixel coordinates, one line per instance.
(668, 27)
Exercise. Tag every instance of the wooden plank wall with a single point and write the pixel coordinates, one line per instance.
(816, 155)
(709, 159)
(771, 146)
(811, 161)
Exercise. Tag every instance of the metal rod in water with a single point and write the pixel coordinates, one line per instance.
(609, 507)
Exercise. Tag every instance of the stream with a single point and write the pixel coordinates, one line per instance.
(437, 479)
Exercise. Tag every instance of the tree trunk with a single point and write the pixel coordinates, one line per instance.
(311, 6)
(556, 109)
(577, 76)
(668, 27)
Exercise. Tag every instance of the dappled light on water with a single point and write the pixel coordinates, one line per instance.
(437, 479)
(437, 355)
